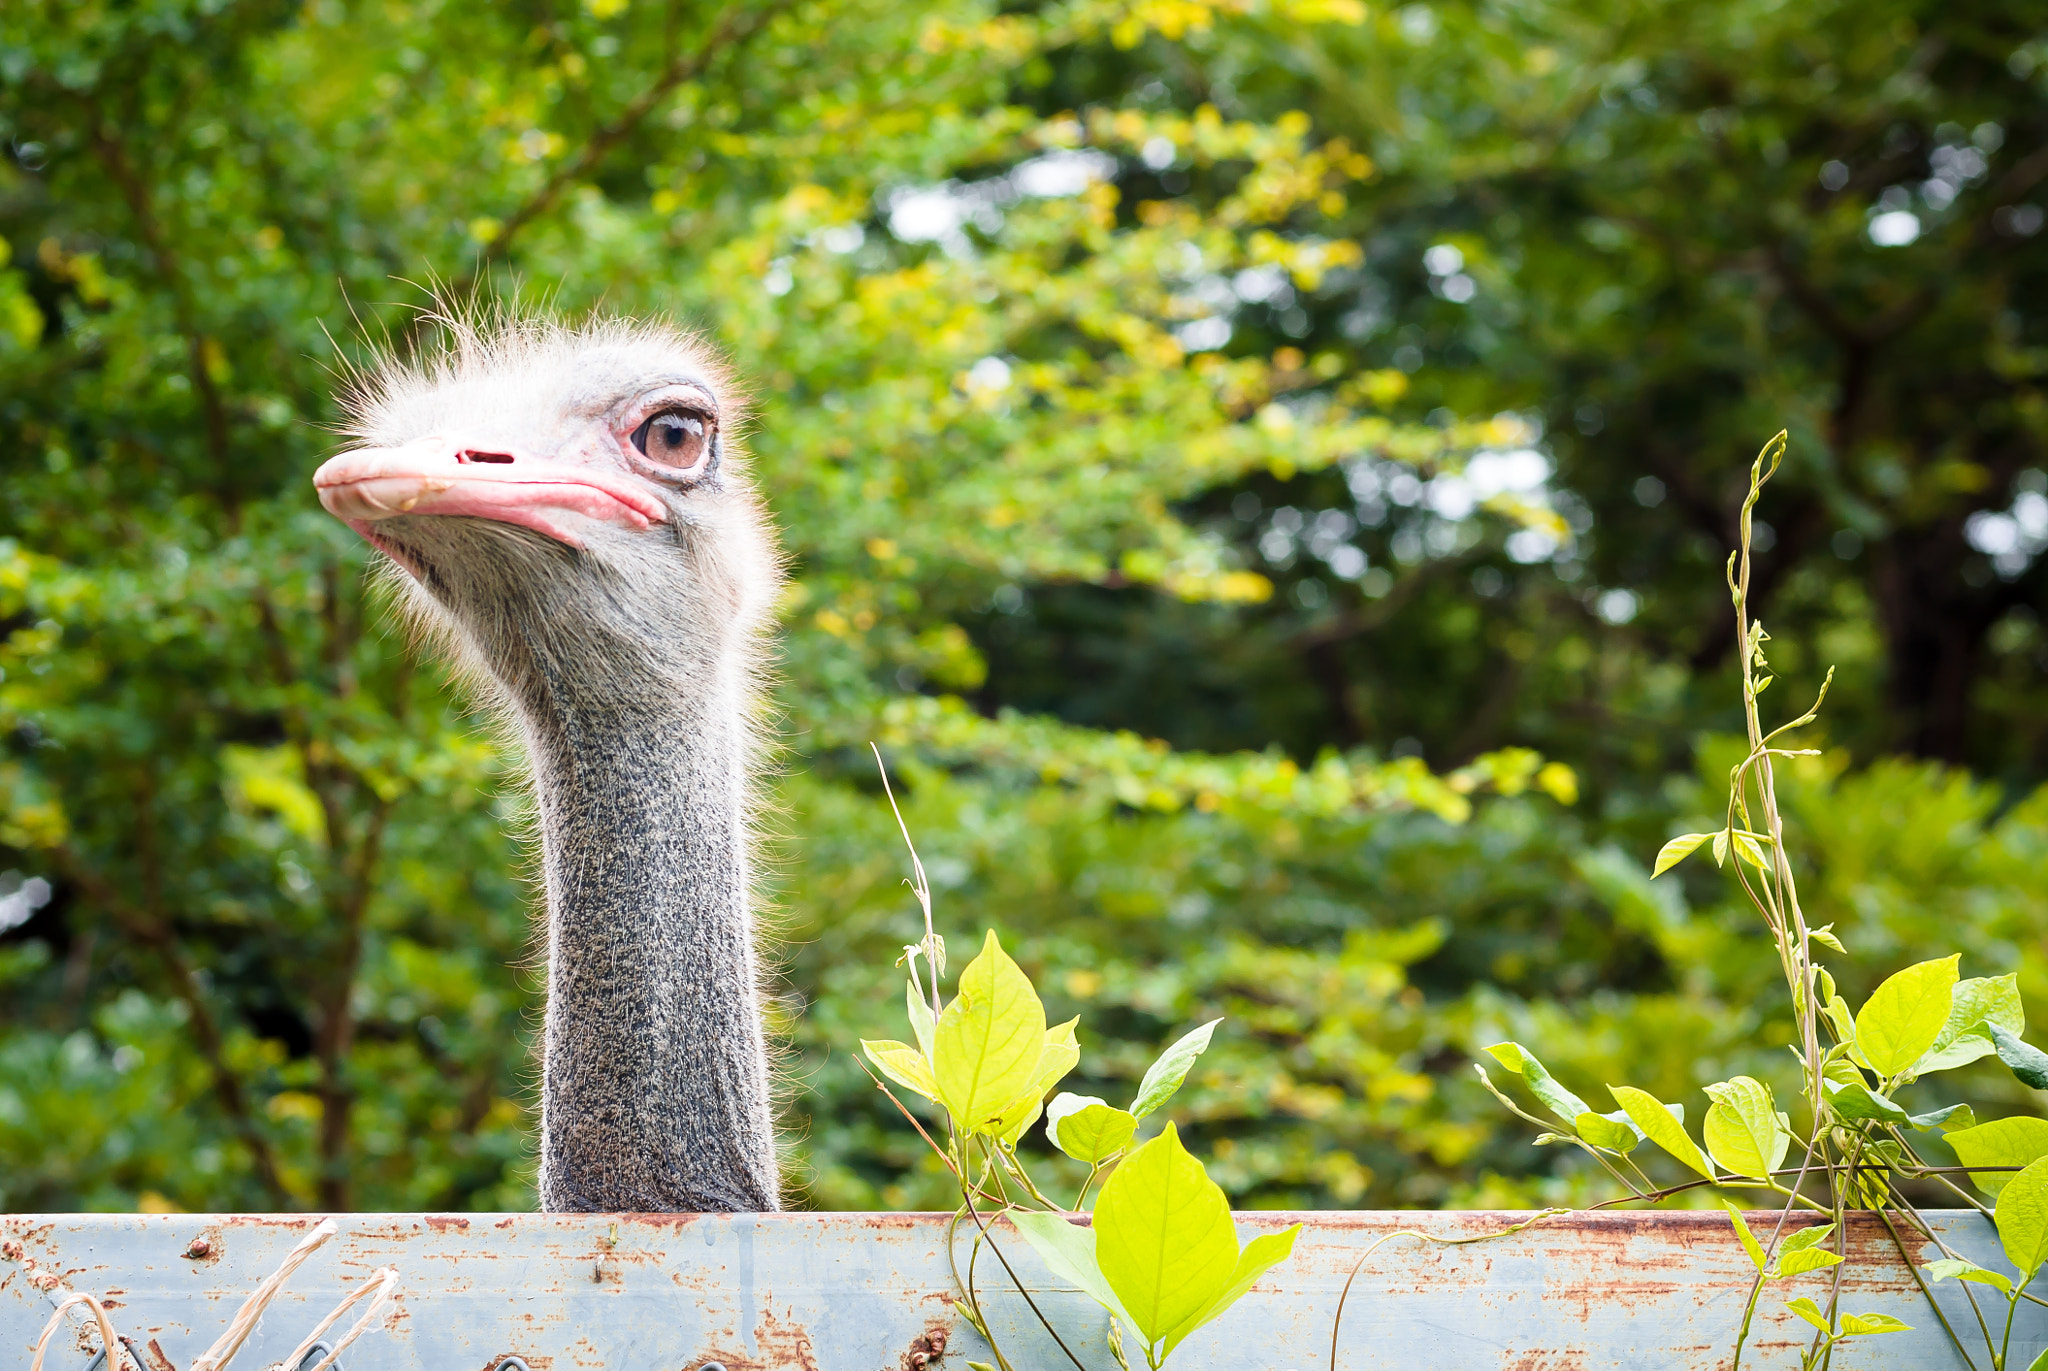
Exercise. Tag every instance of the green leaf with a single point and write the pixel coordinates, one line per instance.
(1747, 1238)
(2022, 1217)
(1797, 1254)
(1839, 1017)
(1088, 1129)
(1163, 1236)
(1542, 1085)
(2002, 1142)
(1660, 1127)
(1260, 1255)
(1806, 1237)
(1721, 848)
(1806, 1309)
(1974, 1003)
(1866, 1325)
(922, 1024)
(1967, 1271)
(1857, 1102)
(903, 1064)
(989, 1039)
(1809, 1259)
(2039, 1363)
(1825, 936)
(1903, 1017)
(1948, 1118)
(1612, 1131)
(1061, 1055)
(1676, 851)
(1164, 1076)
(1742, 1130)
(1068, 1251)
(1747, 848)
(2028, 1063)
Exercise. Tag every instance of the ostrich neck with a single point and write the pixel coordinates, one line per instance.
(655, 1080)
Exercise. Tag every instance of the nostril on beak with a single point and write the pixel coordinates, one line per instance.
(502, 458)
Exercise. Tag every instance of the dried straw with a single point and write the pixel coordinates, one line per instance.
(378, 1289)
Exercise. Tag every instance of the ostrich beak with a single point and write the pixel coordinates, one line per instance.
(443, 476)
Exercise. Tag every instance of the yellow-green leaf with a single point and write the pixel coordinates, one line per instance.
(1748, 849)
(1088, 1129)
(1165, 1075)
(1806, 1237)
(2022, 1217)
(2013, 1142)
(1807, 1259)
(1655, 1118)
(1062, 1053)
(1748, 1239)
(1964, 1270)
(1163, 1236)
(1068, 1251)
(1903, 1017)
(1742, 1129)
(922, 1024)
(1542, 1084)
(1676, 851)
(1973, 1004)
(903, 1064)
(1605, 1130)
(988, 1041)
(1259, 1256)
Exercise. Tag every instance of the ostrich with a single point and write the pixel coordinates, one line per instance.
(567, 516)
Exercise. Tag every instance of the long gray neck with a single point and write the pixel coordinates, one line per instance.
(655, 1079)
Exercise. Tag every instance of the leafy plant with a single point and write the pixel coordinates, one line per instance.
(1161, 1254)
(1856, 1143)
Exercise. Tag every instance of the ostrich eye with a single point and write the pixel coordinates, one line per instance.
(674, 437)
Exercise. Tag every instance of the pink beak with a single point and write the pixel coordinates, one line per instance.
(437, 475)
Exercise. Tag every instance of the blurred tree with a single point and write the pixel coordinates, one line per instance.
(278, 876)
(1661, 231)
(1121, 366)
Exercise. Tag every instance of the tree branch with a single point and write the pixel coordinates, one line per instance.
(156, 932)
(734, 26)
(335, 1037)
(113, 155)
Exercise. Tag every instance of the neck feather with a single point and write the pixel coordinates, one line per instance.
(655, 1075)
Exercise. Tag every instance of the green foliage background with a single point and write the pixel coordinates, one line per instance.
(1260, 468)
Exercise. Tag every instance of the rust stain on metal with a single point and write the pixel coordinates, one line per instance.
(926, 1349)
(444, 1223)
(784, 1346)
(1572, 1359)
(673, 1222)
(157, 1360)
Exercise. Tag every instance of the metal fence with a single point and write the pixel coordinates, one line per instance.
(873, 1292)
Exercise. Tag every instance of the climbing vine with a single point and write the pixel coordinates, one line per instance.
(1854, 1146)
(1160, 1252)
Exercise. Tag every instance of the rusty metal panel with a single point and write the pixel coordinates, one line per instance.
(873, 1292)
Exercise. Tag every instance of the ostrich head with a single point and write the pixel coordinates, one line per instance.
(563, 501)
(568, 516)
